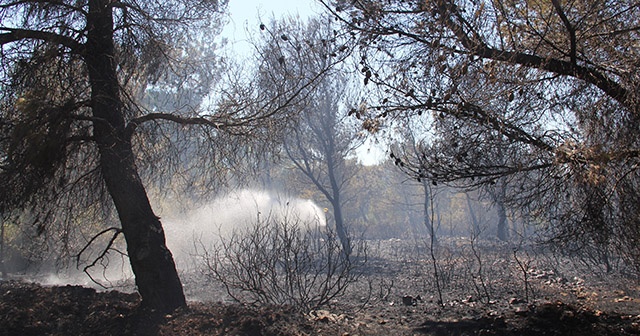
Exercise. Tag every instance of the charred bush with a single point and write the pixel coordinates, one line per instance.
(283, 261)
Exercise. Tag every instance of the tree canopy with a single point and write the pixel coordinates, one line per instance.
(541, 95)
(101, 98)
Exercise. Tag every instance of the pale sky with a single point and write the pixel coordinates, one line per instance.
(244, 17)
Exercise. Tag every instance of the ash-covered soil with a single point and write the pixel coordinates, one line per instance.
(31, 309)
(395, 297)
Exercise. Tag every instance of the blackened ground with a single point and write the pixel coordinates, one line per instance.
(384, 302)
(31, 309)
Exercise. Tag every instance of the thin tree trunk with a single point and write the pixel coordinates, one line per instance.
(499, 197)
(341, 230)
(152, 263)
(503, 228)
(333, 170)
(429, 217)
(429, 212)
(472, 214)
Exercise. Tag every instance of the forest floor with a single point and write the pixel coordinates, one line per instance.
(482, 294)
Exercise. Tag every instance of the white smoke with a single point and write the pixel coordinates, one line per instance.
(188, 232)
(234, 212)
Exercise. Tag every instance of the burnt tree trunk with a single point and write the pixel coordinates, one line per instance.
(429, 212)
(152, 263)
(503, 226)
(340, 227)
(499, 197)
(475, 225)
(333, 169)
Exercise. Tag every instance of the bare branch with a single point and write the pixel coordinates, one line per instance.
(116, 232)
(134, 123)
(570, 29)
(60, 4)
(479, 48)
(14, 35)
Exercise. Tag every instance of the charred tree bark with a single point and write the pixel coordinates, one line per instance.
(152, 263)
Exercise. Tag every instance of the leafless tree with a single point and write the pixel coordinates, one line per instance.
(319, 144)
